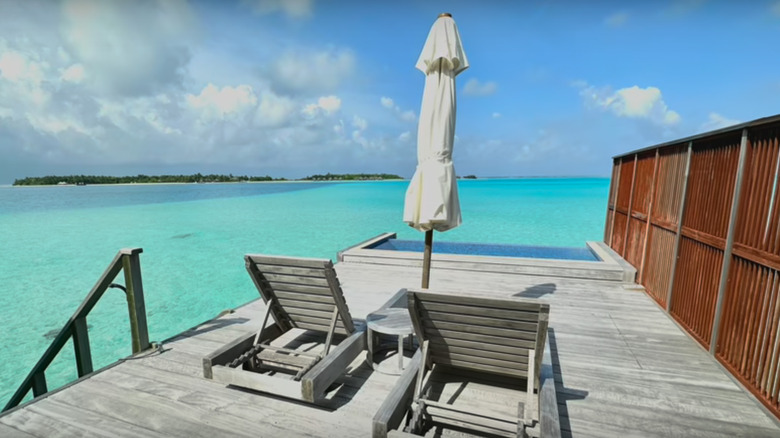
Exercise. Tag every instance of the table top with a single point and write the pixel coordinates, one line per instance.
(390, 321)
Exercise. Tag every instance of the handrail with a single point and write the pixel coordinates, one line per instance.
(126, 260)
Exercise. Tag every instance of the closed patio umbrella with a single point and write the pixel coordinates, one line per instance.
(432, 197)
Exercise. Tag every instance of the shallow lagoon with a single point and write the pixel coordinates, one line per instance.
(56, 242)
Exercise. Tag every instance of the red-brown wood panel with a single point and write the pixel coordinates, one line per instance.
(696, 288)
(671, 178)
(748, 341)
(643, 185)
(659, 262)
(618, 234)
(758, 221)
(624, 188)
(711, 185)
(635, 242)
(749, 338)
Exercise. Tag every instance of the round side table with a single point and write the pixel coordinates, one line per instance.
(393, 321)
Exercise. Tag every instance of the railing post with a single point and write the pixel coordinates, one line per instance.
(616, 187)
(39, 383)
(677, 237)
(81, 345)
(724, 272)
(131, 266)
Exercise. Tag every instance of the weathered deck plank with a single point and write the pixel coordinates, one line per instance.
(622, 368)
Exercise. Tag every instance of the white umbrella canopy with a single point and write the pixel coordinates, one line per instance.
(432, 197)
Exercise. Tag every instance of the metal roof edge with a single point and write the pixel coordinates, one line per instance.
(739, 127)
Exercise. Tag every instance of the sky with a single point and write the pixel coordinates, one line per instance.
(290, 88)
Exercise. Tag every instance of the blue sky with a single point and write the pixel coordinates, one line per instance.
(291, 88)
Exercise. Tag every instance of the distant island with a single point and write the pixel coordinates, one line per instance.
(81, 180)
(351, 177)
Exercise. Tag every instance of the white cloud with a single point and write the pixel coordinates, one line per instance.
(359, 123)
(129, 48)
(292, 8)
(327, 104)
(75, 73)
(406, 116)
(617, 19)
(309, 71)
(68, 99)
(217, 103)
(632, 102)
(22, 85)
(15, 66)
(717, 121)
(476, 88)
(274, 110)
(496, 115)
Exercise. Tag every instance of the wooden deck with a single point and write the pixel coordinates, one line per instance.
(623, 369)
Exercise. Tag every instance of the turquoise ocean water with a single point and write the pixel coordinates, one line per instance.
(57, 241)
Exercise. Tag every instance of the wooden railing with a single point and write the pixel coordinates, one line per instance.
(700, 220)
(126, 260)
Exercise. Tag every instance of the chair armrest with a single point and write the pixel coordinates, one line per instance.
(397, 402)
(549, 419)
(397, 300)
(317, 380)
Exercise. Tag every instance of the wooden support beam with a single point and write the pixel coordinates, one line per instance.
(39, 384)
(724, 272)
(81, 345)
(630, 204)
(135, 300)
(616, 187)
(678, 235)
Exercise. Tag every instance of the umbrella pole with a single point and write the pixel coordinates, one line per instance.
(427, 258)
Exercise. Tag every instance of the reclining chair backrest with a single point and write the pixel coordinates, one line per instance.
(303, 292)
(492, 335)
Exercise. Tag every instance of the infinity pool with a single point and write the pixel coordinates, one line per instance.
(536, 252)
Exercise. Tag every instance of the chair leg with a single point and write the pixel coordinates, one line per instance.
(521, 423)
(400, 353)
(417, 416)
(370, 348)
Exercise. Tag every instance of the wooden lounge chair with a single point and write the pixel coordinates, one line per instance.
(478, 368)
(299, 293)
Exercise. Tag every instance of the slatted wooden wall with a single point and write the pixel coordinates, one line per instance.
(661, 242)
(705, 225)
(714, 266)
(749, 342)
(622, 202)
